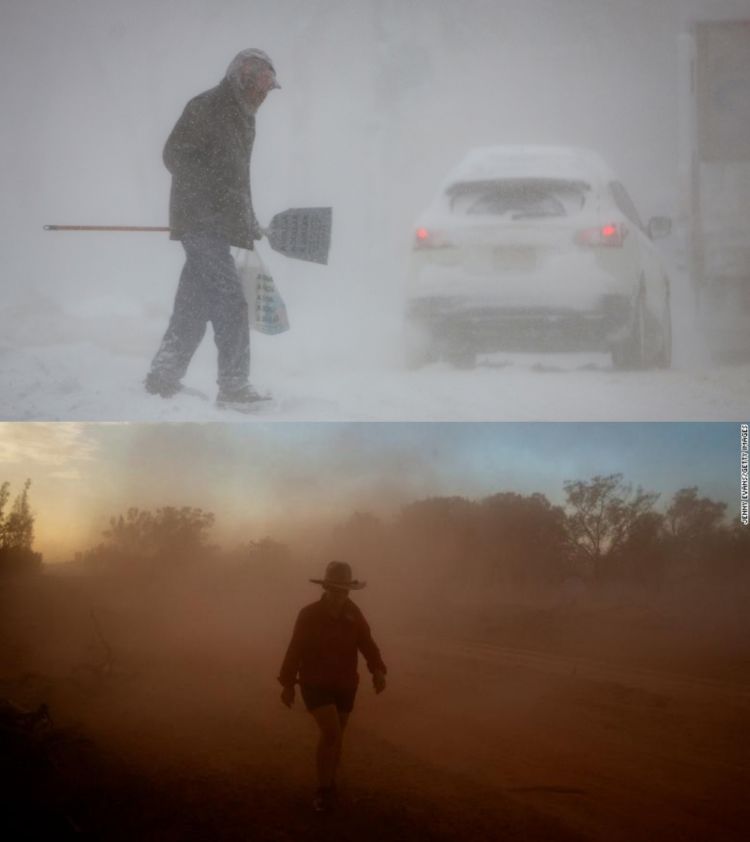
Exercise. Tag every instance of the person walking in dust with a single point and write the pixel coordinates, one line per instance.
(322, 658)
(210, 209)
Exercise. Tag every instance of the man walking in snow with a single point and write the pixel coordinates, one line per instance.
(210, 210)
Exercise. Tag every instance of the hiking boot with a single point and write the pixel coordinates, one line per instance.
(324, 799)
(242, 399)
(155, 384)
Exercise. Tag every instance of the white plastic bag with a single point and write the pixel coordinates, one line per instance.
(266, 307)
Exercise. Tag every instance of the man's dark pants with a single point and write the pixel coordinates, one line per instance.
(209, 291)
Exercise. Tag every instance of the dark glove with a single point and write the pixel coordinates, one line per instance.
(256, 232)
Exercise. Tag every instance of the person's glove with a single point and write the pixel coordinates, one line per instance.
(256, 231)
(287, 695)
(378, 681)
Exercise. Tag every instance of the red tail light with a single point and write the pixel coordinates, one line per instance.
(608, 235)
(426, 239)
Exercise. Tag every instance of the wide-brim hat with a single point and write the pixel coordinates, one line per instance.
(339, 575)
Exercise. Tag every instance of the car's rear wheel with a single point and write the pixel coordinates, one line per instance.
(631, 351)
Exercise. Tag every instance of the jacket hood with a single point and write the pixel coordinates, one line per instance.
(241, 66)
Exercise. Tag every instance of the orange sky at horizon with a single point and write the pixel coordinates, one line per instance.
(264, 479)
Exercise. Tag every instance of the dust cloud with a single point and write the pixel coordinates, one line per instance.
(513, 710)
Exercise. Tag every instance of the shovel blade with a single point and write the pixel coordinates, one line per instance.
(302, 233)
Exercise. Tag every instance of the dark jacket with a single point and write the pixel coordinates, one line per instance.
(208, 154)
(324, 648)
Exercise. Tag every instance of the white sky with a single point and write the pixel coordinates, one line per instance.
(379, 99)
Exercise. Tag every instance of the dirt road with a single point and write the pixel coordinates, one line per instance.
(614, 751)
(471, 741)
(511, 724)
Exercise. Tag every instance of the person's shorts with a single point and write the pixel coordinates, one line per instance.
(317, 697)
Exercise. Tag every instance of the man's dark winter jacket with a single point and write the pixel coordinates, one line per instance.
(208, 154)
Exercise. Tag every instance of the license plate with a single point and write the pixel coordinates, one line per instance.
(514, 258)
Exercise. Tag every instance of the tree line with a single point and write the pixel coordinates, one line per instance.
(605, 531)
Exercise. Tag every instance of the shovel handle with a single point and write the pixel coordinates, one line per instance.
(103, 228)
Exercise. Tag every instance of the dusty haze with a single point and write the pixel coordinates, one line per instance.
(289, 479)
(563, 712)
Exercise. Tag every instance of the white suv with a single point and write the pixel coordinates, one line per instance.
(539, 249)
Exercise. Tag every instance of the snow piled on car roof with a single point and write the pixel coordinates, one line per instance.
(564, 162)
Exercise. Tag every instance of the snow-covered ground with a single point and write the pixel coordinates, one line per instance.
(92, 364)
(48, 384)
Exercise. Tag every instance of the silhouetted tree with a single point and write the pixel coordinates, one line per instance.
(4, 495)
(523, 539)
(603, 513)
(17, 532)
(701, 542)
(18, 527)
(642, 557)
(691, 517)
(168, 534)
(442, 532)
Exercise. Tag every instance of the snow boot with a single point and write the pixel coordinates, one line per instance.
(243, 399)
(155, 384)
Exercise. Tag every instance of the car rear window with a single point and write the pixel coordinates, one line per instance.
(518, 198)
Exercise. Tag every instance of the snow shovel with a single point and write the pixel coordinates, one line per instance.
(302, 233)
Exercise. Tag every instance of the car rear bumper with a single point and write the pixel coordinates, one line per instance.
(493, 328)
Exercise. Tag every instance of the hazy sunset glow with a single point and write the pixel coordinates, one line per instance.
(256, 476)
